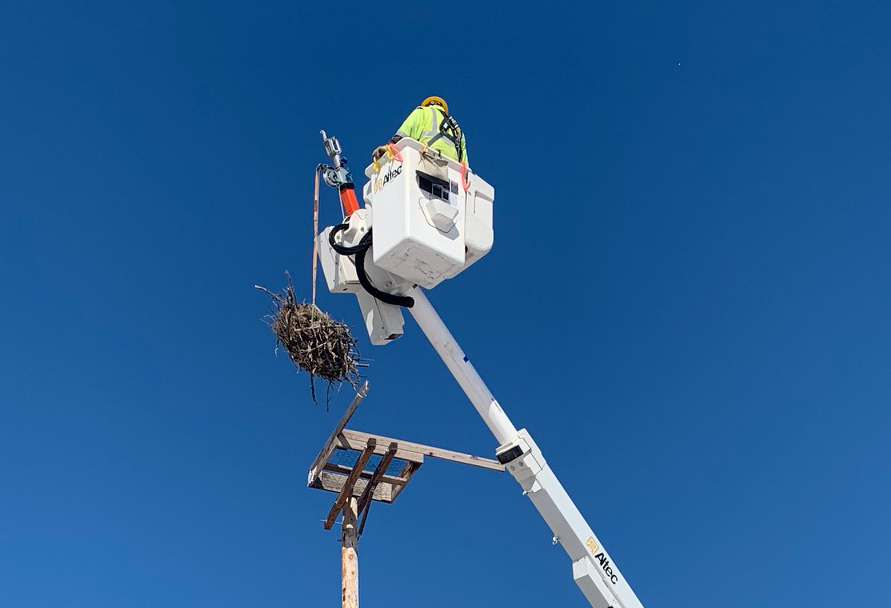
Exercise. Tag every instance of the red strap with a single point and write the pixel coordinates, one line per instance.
(315, 236)
(396, 153)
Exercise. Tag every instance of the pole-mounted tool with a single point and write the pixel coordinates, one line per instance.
(338, 176)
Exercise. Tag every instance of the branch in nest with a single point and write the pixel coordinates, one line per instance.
(315, 342)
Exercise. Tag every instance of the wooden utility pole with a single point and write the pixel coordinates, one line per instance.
(359, 483)
(349, 555)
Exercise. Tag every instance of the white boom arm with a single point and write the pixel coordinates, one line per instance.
(592, 568)
(431, 221)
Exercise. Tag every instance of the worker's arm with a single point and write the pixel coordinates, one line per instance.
(413, 126)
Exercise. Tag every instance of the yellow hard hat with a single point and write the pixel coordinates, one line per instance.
(433, 99)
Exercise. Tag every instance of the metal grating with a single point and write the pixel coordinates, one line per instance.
(348, 458)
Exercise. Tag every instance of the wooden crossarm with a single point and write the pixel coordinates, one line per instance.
(319, 463)
(355, 439)
(378, 475)
(347, 491)
(365, 501)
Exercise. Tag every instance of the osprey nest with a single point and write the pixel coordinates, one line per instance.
(315, 342)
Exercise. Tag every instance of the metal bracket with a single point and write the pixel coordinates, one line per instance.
(337, 176)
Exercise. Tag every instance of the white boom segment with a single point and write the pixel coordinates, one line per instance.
(452, 355)
(593, 569)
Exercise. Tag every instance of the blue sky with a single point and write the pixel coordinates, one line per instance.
(688, 303)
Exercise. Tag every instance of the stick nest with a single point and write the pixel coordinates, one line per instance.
(314, 341)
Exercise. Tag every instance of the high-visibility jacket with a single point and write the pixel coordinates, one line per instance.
(423, 125)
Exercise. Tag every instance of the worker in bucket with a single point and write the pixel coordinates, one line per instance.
(431, 124)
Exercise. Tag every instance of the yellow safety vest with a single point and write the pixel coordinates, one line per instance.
(423, 125)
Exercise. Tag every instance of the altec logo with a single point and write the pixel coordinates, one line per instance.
(386, 178)
(607, 569)
(592, 544)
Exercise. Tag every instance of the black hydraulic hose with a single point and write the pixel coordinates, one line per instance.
(344, 250)
(360, 250)
(383, 296)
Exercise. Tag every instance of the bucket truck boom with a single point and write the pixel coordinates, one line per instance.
(425, 220)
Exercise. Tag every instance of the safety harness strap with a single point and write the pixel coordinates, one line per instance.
(449, 130)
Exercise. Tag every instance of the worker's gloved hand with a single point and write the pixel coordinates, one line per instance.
(378, 152)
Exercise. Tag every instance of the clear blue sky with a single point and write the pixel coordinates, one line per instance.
(688, 303)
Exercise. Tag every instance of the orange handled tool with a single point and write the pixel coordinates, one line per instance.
(337, 175)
